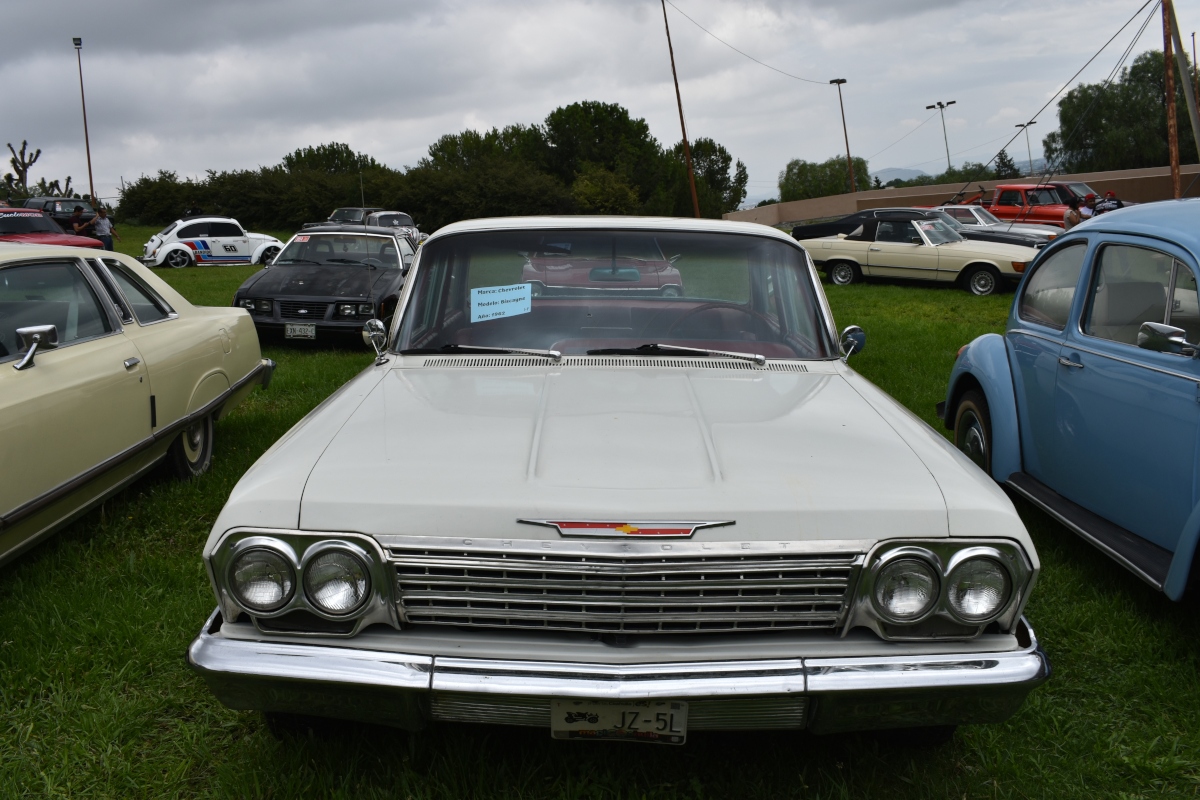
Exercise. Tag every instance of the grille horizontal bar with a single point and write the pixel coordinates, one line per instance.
(619, 594)
(300, 310)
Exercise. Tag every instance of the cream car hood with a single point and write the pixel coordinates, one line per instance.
(968, 249)
(469, 451)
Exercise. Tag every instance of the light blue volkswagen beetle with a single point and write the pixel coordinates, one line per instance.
(1089, 404)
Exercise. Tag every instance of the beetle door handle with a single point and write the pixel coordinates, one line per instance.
(1066, 362)
(130, 363)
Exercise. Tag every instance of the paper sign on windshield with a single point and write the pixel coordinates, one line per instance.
(494, 302)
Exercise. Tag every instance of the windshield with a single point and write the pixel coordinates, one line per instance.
(986, 217)
(577, 291)
(937, 232)
(14, 223)
(399, 220)
(1043, 197)
(342, 249)
(347, 215)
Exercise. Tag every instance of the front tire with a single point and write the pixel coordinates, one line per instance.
(981, 280)
(844, 273)
(973, 429)
(179, 259)
(268, 255)
(190, 455)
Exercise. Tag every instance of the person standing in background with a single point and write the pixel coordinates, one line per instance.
(1072, 217)
(1089, 207)
(104, 229)
(1109, 203)
(76, 223)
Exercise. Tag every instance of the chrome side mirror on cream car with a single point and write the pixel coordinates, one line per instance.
(34, 338)
(375, 335)
(854, 339)
(1165, 339)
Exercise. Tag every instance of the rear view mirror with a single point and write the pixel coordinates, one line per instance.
(854, 339)
(33, 339)
(1164, 339)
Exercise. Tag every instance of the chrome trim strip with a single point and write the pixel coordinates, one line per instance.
(262, 372)
(632, 547)
(1151, 367)
(1083, 534)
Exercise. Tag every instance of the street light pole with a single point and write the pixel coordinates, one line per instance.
(941, 107)
(849, 161)
(1028, 149)
(86, 143)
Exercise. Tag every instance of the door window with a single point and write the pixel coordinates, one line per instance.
(893, 231)
(1009, 197)
(1130, 287)
(1050, 290)
(146, 304)
(48, 294)
(963, 215)
(196, 230)
(1184, 310)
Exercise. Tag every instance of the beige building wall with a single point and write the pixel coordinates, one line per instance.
(1137, 185)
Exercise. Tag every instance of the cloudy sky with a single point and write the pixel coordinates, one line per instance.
(227, 84)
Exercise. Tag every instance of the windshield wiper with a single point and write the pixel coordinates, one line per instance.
(653, 348)
(553, 355)
(349, 261)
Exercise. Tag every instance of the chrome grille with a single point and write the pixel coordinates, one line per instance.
(622, 594)
(313, 311)
(742, 713)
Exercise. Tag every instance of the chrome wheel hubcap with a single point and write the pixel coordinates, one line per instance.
(193, 442)
(971, 439)
(982, 283)
(842, 275)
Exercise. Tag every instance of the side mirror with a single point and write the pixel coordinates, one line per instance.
(1162, 339)
(854, 339)
(375, 335)
(34, 338)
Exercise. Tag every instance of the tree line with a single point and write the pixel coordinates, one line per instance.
(584, 158)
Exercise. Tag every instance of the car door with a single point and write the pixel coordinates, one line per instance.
(195, 236)
(75, 406)
(229, 242)
(899, 251)
(1126, 417)
(1035, 338)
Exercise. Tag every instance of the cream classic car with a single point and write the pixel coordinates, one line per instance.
(104, 372)
(618, 515)
(923, 249)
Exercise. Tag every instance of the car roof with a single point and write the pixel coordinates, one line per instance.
(207, 218)
(18, 250)
(679, 224)
(1174, 220)
(333, 227)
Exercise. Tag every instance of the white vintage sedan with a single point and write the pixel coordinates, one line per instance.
(208, 240)
(105, 371)
(923, 249)
(614, 513)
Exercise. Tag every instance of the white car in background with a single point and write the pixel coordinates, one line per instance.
(979, 218)
(208, 240)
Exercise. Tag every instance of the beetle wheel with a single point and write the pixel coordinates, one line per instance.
(981, 280)
(268, 255)
(843, 273)
(179, 259)
(973, 429)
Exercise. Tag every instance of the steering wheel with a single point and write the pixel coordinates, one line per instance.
(710, 306)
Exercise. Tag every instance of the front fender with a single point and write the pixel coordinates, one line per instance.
(984, 364)
(262, 246)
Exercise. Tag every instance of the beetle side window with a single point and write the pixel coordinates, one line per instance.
(224, 229)
(48, 294)
(1050, 290)
(1130, 287)
(194, 231)
(147, 306)
(1185, 312)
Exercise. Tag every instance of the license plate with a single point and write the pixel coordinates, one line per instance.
(295, 330)
(650, 721)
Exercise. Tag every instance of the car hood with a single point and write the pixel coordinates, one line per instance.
(317, 281)
(996, 250)
(261, 237)
(785, 456)
(56, 239)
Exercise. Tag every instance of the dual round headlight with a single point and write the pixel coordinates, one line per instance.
(336, 582)
(906, 589)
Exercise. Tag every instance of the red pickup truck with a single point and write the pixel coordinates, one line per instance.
(1038, 203)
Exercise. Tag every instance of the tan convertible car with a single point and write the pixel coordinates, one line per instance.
(922, 249)
(105, 371)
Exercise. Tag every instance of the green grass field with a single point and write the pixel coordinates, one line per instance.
(96, 699)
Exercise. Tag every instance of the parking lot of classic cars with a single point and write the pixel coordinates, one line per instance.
(572, 610)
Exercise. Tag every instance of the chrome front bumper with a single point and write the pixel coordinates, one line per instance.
(822, 694)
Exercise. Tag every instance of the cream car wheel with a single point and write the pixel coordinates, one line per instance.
(843, 273)
(981, 280)
(179, 259)
(190, 454)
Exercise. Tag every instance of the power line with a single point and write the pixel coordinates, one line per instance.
(902, 138)
(740, 52)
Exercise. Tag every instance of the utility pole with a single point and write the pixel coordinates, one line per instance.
(78, 42)
(941, 107)
(1028, 149)
(1169, 84)
(1189, 95)
(849, 161)
(687, 150)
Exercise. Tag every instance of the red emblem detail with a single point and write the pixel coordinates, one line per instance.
(678, 530)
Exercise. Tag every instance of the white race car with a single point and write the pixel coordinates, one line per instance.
(208, 240)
